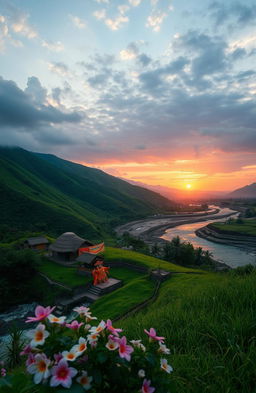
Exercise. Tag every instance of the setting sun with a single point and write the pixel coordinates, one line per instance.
(188, 186)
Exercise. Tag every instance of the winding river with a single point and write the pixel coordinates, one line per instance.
(232, 256)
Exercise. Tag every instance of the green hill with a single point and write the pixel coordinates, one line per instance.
(45, 193)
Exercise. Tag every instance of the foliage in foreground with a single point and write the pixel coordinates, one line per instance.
(209, 322)
(79, 356)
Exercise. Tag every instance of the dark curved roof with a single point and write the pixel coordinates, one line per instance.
(69, 242)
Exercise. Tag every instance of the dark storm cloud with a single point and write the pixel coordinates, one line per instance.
(18, 108)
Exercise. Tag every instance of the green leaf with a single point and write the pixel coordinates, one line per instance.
(102, 357)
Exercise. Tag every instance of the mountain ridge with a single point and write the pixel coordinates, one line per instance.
(44, 192)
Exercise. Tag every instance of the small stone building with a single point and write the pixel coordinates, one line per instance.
(66, 247)
(38, 243)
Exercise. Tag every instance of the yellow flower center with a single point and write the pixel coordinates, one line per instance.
(70, 356)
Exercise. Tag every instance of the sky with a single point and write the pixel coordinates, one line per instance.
(161, 92)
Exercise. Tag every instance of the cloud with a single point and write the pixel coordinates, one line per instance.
(155, 20)
(21, 26)
(241, 14)
(131, 52)
(135, 3)
(53, 46)
(77, 22)
(59, 68)
(100, 14)
(25, 109)
(116, 23)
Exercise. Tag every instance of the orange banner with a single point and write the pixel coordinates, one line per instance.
(92, 249)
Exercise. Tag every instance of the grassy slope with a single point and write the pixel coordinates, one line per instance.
(209, 324)
(36, 189)
(248, 227)
(118, 254)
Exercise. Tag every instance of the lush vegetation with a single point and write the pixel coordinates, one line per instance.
(119, 255)
(62, 274)
(209, 323)
(45, 193)
(239, 226)
(122, 300)
(19, 279)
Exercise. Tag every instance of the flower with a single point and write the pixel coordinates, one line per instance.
(81, 310)
(163, 349)
(124, 350)
(62, 374)
(84, 380)
(112, 345)
(30, 360)
(39, 334)
(39, 368)
(165, 366)
(26, 350)
(138, 344)
(146, 388)
(74, 325)
(53, 319)
(152, 335)
(70, 355)
(3, 372)
(92, 338)
(40, 313)
(81, 346)
(141, 373)
(57, 357)
(99, 328)
(112, 329)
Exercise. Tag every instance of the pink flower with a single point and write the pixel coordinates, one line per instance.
(57, 357)
(62, 374)
(3, 372)
(74, 325)
(112, 329)
(26, 350)
(146, 388)
(41, 313)
(124, 350)
(152, 335)
(30, 360)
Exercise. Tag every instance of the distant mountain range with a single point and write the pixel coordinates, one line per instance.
(248, 192)
(42, 192)
(176, 194)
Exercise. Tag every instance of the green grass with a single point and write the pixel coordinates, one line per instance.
(123, 299)
(117, 254)
(65, 275)
(209, 322)
(248, 227)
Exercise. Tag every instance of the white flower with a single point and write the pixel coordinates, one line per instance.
(53, 319)
(98, 329)
(39, 368)
(165, 366)
(163, 349)
(70, 355)
(93, 337)
(141, 373)
(38, 335)
(112, 345)
(138, 344)
(84, 380)
(81, 346)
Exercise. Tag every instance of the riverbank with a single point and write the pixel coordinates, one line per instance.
(216, 235)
